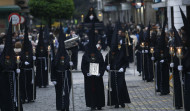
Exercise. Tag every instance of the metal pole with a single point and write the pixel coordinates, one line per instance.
(181, 86)
(70, 54)
(18, 79)
(134, 55)
(154, 73)
(143, 67)
(109, 79)
(173, 82)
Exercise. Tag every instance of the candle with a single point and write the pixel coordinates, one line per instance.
(152, 50)
(34, 50)
(18, 59)
(171, 50)
(179, 52)
(49, 48)
(142, 44)
(53, 41)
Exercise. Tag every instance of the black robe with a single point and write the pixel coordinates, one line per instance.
(164, 74)
(62, 75)
(139, 58)
(41, 68)
(94, 86)
(119, 93)
(177, 84)
(9, 91)
(186, 73)
(27, 81)
(148, 66)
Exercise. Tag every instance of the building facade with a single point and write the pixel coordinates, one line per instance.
(11, 6)
(172, 11)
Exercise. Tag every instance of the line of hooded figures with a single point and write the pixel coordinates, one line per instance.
(156, 57)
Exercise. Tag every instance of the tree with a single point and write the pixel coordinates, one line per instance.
(51, 9)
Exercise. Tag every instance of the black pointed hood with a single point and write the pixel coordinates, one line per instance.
(148, 35)
(177, 40)
(92, 45)
(186, 25)
(46, 36)
(162, 42)
(26, 46)
(114, 41)
(8, 51)
(41, 45)
(61, 49)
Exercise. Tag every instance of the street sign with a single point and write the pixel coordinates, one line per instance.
(22, 20)
(16, 19)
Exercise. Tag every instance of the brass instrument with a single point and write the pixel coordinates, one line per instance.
(71, 42)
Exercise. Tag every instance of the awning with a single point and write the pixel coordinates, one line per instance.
(10, 8)
(159, 5)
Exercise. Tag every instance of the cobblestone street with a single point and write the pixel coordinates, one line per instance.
(141, 93)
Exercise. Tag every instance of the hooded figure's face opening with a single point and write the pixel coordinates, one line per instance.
(162, 53)
(7, 60)
(27, 54)
(92, 57)
(62, 60)
(41, 49)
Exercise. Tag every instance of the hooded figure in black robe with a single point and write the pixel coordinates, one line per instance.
(91, 16)
(116, 62)
(186, 61)
(41, 62)
(139, 52)
(148, 67)
(94, 86)
(27, 77)
(8, 76)
(176, 74)
(61, 75)
(164, 64)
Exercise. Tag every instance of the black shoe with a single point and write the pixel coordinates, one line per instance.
(139, 74)
(123, 105)
(99, 108)
(40, 86)
(116, 106)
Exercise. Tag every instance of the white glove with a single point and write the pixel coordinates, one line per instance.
(54, 82)
(143, 51)
(34, 58)
(121, 70)
(171, 65)
(17, 70)
(120, 41)
(88, 74)
(152, 58)
(146, 51)
(71, 63)
(45, 68)
(180, 68)
(162, 61)
(26, 63)
(98, 75)
(108, 67)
